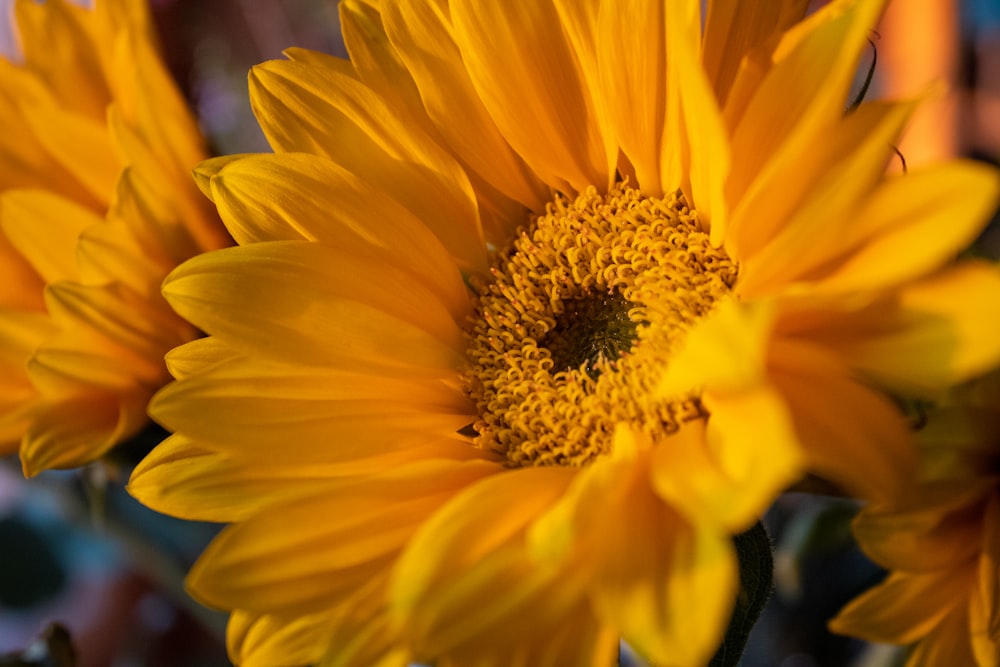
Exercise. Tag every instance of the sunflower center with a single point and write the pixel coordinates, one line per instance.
(578, 321)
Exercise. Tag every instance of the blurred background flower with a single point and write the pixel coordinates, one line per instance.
(97, 205)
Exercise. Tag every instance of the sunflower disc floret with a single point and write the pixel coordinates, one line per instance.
(582, 313)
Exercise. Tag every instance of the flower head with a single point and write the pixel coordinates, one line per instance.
(940, 543)
(533, 307)
(96, 207)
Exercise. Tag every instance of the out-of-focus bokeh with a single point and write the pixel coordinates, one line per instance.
(75, 549)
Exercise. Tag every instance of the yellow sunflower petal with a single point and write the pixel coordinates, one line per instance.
(156, 225)
(45, 227)
(422, 34)
(68, 433)
(850, 434)
(579, 639)
(696, 140)
(191, 482)
(265, 640)
(734, 28)
(103, 319)
(524, 70)
(750, 449)
(726, 351)
(305, 404)
(375, 60)
(753, 438)
(20, 335)
(363, 635)
(49, 36)
(632, 71)
(199, 355)
(324, 60)
(327, 306)
(813, 87)
(531, 491)
(902, 609)
(450, 620)
(81, 145)
(495, 173)
(816, 220)
(934, 528)
(672, 605)
(920, 220)
(324, 111)
(949, 643)
(206, 169)
(259, 565)
(259, 199)
(160, 113)
(171, 197)
(985, 608)
(434, 582)
(665, 584)
(939, 333)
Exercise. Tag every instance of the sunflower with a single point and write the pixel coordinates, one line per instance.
(96, 207)
(533, 307)
(940, 543)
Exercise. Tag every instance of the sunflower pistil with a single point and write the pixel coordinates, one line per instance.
(579, 317)
(592, 327)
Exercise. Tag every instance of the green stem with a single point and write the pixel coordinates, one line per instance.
(756, 573)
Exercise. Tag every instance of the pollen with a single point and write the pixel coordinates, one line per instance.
(577, 322)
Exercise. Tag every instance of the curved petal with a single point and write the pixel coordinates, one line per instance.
(291, 300)
(265, 640)
(45, 227)
(749, 450)
(734, 28)
(949, 643)
(527, 76)
(849, 433)
(472, 550)
(323, 110)
(665, 583)
(772, 143)
(938, 526)
(423, 36)
(917, 222)
(260, 199)
(49, 36)
(938, 333)
(191, 482)
(904, 608)
(71, 432)
(324, 415)
(810, 217)
(621, 51)
(696, 153)
(284, 561)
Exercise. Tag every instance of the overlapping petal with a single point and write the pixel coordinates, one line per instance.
(97, 208)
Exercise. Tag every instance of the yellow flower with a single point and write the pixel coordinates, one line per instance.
(97, 205)
(534, 306)
(941, 544)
